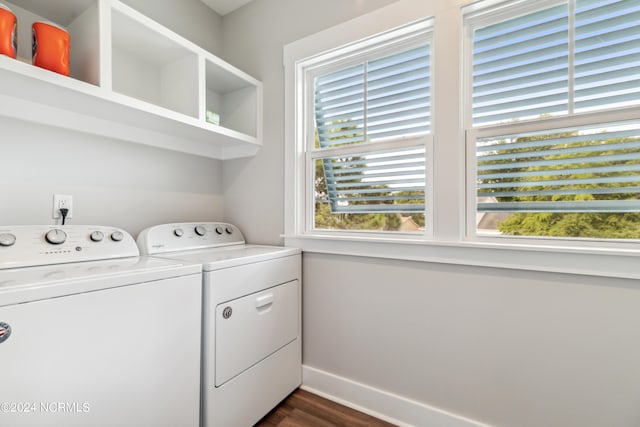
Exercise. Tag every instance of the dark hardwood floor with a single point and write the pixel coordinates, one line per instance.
(304, 409)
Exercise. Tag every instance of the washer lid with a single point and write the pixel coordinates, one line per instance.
(232, 256)
(35, 283)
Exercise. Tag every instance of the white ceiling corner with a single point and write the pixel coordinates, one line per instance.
(222, 7)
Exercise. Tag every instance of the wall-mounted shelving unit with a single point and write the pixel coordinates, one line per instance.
(134, 80)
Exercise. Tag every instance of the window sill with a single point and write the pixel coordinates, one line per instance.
(604, 262)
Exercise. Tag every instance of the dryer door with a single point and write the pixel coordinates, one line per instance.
(250, 328)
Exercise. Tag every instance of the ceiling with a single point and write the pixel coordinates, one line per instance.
(61, 12)
(222, 7)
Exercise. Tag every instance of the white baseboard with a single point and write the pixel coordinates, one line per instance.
(388, 407)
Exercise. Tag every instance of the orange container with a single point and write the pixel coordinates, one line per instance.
(50, 47)
(8, 35)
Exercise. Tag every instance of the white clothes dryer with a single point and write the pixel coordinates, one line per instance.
(251, 317)
(92, 334)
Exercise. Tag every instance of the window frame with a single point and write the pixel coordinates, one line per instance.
(378, 46)
(482, 16)
(450, 244)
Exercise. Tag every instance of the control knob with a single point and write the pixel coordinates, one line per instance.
(178, 232)
(56, 236)
(96, 236)
(200, 230)
(7, 239)
(219, 230)
(117, 236)
(229, 230)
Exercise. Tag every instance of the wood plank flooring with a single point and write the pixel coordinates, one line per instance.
(304, 409)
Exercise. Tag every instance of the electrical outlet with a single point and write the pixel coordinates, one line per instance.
(62, 201)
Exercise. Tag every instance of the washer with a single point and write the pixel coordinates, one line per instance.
(251, 317)
(92, 334)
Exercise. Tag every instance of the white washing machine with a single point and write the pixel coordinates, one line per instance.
(91, 334)
(251, 317)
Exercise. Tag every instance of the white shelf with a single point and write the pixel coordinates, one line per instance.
(135, 81)
(153, 67)
(232, 97)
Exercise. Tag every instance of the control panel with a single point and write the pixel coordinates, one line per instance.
(32, 245)
(188, 236)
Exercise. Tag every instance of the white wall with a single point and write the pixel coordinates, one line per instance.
(192, 19)
(112, 182)
(506, 348)
(253, 39)
(502, 347)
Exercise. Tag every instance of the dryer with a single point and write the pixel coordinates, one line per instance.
(251, 317)
(91, 334)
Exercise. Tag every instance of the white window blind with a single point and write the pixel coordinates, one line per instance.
(390, 181)
(587, 169)
(384, 99)
(580, 55)
(556, 59)
(607, 54)
(520, 67)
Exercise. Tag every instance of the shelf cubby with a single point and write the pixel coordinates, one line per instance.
(132, 79)
(233, 98)
(151, 66)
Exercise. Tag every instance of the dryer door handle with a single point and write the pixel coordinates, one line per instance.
(264, 301)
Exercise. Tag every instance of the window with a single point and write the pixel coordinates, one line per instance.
(553, 118)
(543, 97)
(367, 123)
